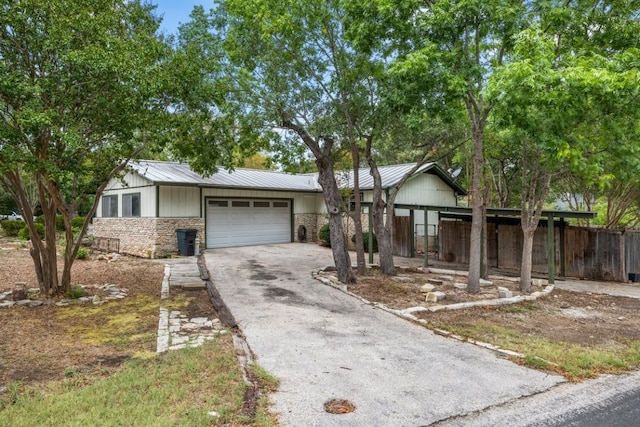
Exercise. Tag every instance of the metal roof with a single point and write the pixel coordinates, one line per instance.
(181, 174)
(391, 176)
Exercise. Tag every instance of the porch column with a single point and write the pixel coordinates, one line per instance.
(370, 213)
(426, 237)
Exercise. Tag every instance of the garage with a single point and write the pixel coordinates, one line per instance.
(242, 222)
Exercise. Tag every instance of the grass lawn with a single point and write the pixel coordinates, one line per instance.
(191, 387)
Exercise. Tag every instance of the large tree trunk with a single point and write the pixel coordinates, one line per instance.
(536, 182)
(333, 201)
(477, 211)
(527, 253)
(332, 198)
(382, 230)
(357, 213)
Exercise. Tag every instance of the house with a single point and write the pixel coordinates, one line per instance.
(241, 207)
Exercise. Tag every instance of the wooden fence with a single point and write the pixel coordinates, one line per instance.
(588, 253)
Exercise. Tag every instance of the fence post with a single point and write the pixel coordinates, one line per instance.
(551, 250)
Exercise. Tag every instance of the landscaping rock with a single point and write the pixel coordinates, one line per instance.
(459, 285)
(446, 278)
(485, 283)
(434, 281)
(426, 288)
(539, 282)
(504, 292)
(19, 292)
(404, 279)
(435, 296)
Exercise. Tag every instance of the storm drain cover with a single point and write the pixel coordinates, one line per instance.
(339, 406)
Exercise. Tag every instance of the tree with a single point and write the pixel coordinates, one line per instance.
(79, 97)
(445, 52)
(558, 99)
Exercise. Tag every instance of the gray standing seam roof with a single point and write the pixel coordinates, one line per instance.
(174, 173)
(181, 174)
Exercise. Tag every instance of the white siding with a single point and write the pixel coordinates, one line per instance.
(179, 202)
(130, 180)
(426, 189)
(147, 196)
(302, 202)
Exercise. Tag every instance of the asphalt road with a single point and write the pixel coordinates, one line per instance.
(608, 401)
(324, 344)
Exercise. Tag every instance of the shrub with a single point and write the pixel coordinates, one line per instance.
(75, 292)
(40, 219)
(77, 222)
(59, 223)
(12, 227)
(325, 235)
(23, 234)
(365, 240)
(82, 253)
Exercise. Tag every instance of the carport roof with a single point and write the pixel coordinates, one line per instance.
(174, 173)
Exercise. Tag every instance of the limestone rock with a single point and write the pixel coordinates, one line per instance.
(504, 292)
(434, 281)
(435, 296)
(446, 278)
(485, 283)
(459, 285)
(404, 279)
(426, 288)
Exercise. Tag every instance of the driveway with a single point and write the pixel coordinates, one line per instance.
(323, 344)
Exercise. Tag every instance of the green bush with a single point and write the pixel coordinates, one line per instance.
(365, 240)
(23, 234)
(12, 227)
(59, 223)
(75, 292)
(82, 253)
(325, 235)
(77, 222)
(40, 219)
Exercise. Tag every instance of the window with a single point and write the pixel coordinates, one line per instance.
(261, 204)
(240, 204)
(280, 204)
(131, 204)
(109, 206)
(218, 203)
(352, 200)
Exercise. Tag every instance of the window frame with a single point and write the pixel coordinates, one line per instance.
(108, 207)
(128, 211)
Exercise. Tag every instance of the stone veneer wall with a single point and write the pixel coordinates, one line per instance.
(147, 237)
(313, 222)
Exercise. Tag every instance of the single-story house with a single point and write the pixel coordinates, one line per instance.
(242, 207)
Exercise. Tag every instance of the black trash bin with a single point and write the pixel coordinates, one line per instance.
(186, 241)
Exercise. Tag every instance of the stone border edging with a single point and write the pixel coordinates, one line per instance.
(407, 313)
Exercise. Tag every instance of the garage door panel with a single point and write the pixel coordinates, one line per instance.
(247, 222)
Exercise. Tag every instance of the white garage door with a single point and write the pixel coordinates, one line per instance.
(247, 222)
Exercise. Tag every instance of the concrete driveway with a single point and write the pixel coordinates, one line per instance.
(324, 344)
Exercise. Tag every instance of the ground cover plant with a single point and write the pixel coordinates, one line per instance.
(86, 364)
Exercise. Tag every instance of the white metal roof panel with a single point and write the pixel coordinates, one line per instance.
(181, 174)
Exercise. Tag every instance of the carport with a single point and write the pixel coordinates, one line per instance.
(552, 216)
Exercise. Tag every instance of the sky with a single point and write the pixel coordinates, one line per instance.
(174, 12)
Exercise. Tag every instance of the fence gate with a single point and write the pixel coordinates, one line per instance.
(402, 236)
